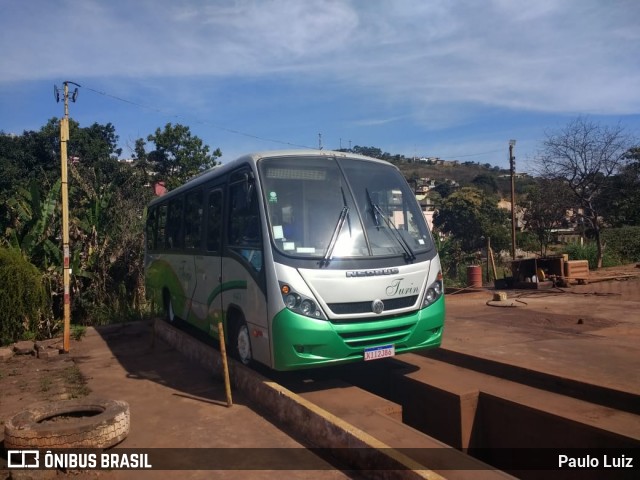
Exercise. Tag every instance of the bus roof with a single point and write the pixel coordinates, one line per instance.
(253, 158)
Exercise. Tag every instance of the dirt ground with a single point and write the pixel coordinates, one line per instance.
(608, 303)
(27, 379)
(589, 333)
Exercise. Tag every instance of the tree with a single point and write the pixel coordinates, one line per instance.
(585, 155)
(471, 216)
(620, 198)
(373, 152)
(106, 214)
(32, 156)
(177, 157)
(547, 204)
(444, 189)
(486, 182)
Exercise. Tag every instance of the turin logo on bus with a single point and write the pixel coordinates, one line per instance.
(373, 273)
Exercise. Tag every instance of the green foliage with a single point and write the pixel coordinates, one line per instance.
(93, 144)
(34, 223)
(589, 252)
(471, 216)
(77, 332)
(106, 205)
(453, 261)
(486, 182)
(24, 302)
(623, 243)
(619, 200)
(178, 155)
(107, 239)
(546, 203)
(528, 242)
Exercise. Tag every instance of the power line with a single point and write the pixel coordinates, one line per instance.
(202, 122)
(238, 132)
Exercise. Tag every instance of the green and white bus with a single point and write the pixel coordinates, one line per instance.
(308, 257)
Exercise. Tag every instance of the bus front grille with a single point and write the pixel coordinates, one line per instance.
(376, 337)
(390, 304)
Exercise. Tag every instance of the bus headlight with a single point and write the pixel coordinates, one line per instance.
(299, 303)
(434, 292)
(307, 307)
(292, 300)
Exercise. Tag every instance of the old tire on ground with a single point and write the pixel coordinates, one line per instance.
(105, 424)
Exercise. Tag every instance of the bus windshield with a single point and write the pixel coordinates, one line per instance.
(326, 207)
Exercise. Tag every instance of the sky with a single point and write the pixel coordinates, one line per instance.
(455, 79)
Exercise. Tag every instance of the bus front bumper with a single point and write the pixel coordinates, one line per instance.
(302, 342)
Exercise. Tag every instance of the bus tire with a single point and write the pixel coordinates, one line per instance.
(107, 423)
(242, 342)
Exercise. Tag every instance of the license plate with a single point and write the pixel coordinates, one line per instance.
(374, 353)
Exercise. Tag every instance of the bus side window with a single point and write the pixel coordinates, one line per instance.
(161, 227)
(244, 219)
(174, 230)
(193, 219)
(151, 229)
(214, 221)
(244, 224)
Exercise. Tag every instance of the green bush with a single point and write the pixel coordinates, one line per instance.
(623, 242)
(589, 251)
(24, 303)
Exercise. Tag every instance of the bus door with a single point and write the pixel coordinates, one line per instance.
(244, 290)
(207, 301)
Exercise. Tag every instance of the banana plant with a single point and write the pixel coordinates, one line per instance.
(35, 224)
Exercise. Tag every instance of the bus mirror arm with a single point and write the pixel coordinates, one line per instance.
(249, 181)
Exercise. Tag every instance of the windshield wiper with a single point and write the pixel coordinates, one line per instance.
(344, 215)
(328, 255)
(375, 211)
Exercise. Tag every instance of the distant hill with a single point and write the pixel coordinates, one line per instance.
(491, 178)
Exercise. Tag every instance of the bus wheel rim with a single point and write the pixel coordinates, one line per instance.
(244, 345)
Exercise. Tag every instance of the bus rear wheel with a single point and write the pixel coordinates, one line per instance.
(242, 343)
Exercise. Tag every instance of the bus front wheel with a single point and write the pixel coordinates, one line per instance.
(242, 343)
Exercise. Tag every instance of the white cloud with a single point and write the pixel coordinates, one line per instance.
(547, 55)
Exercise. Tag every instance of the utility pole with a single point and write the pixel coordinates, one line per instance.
(512, 164)
(319, 141)
(66, 277)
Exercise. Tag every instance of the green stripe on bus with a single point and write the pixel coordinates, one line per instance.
(226, 286)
